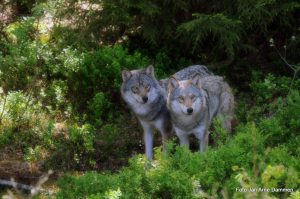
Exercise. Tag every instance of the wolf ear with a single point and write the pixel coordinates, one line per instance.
(196, 81)
(126, 74)
(150, 70)
(172, 83)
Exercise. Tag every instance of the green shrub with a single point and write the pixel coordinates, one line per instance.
(116, 141)
(100, 71)
(61, 85)
(271, 87)
(284, 122)
(98, 109)
(73, 147)
(55, 95)
(22, 120)
(60, 99)
(92, 183)
(268, 94)
(246, 160)
(175, 175)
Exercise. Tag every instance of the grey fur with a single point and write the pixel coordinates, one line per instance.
(221, 98)
(191, 71)
(151, 114)
(208, 96)
(187, 73)
(154, 113)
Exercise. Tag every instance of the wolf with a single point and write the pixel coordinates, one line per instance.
(186, 73)
(193, 103)
(146, 97)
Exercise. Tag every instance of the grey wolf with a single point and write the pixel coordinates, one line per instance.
(147, 99)
(187, 73)
(193, 103)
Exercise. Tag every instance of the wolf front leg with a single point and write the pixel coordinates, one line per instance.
(164, 126)
(183, 137)
(204, 143)
(184, 140)
(148, 139)
(201, 134)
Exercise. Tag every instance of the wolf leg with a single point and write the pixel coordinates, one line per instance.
(165, 128)
(202, 135)
(203, 143)
(227, 124)
(148, 139)
(226, 121)
(164, 140)
(184, 140)
(183, 137)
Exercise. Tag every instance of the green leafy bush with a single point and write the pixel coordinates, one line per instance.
(271, 87)
(60, 103)
(100, 71)
(73, 147)
(251, 158)
(22, 120)
(284, 122)
(28, 127)
(59, 87)
(98, 108)
(93, 183)
(267, 94)
(175, 175)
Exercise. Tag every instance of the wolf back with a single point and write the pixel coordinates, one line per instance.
(187, 73)
(221, 99)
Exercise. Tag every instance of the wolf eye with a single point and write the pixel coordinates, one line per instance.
(180, 99)
(193, 97)
(135, 89)
(147, 87)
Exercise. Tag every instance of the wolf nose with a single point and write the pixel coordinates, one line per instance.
(145, 99)
(189, 110)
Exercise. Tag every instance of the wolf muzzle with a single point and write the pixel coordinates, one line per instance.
(145, 99)
(189, 111)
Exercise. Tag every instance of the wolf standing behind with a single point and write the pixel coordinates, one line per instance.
(147, 99)
(193, 103)
(187, 73)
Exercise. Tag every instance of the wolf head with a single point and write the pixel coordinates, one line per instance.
(186, 97)
(140, 86)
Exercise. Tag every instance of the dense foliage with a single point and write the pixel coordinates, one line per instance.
(259, 155)
(61, 109)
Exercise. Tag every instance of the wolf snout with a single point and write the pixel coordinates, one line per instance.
(189, 111)
(145, 99)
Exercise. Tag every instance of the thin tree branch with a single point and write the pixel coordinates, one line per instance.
(282, 58)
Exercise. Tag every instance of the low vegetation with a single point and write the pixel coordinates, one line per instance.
(61, 109)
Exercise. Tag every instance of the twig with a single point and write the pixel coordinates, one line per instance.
(12, 184)
(295, 68)
(295, 74)
(282, 58)
(33, 190)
